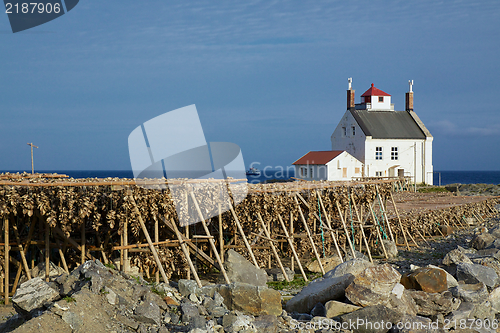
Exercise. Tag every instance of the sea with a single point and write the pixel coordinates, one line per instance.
(287, 174)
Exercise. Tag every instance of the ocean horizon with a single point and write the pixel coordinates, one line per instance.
(446, 177)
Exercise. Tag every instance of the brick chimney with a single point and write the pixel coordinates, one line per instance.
(350, 95)
(409, 97)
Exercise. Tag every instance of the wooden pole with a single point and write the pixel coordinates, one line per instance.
(21, 251)
(210, 240)
(361, 228)
(273, 248)
(291, 233)
(306, 227)
(245, 241)
(328, 222)
(47, 251)
(186, 252)
(32, 164)
(6, 259)
(345, 229)
(145, 231)
(61, 254)
(293, 248)
(157, 239)
(186, 231)
(378, 232)
(384, 212)
(400, 224)
(221, 235)
(126, 261)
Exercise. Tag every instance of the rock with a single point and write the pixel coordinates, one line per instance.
(429, 304)
(187, 287)
(450, 280)
(427, 279)
(236, 322)
(372, 319)
(494, 299)
(335, 308)
(266, 323)
(250, 299)
(482, 241)
(483, 311)
(401, 300)
(473, 273)
(411, 324)
(348, 256)
(455, 257)
(353, 266)
(373, 286)
(462, 313)
(446, 230)
(110, 296)
(328, 263)
(170, 301)
(239, 269)
(191, 314)
(39, 271)
(473, 293)
(390, 248)
(319, 310)
(148, 312)
(488, 262)
(320, 290)
(275, 274)
(495, 231)
(32, 295)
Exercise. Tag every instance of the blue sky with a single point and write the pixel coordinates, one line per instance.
(270, 76)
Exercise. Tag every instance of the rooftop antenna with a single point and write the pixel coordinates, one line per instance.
(410, 83)
(32, 165)
(350, 82)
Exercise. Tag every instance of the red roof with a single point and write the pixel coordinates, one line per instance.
(318, 157)
(374, 92)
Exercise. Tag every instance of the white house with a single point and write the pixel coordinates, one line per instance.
(327, 165)
(389, 143)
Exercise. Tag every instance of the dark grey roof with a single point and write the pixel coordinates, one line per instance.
(388, 124)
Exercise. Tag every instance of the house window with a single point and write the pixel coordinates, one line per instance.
(381, 99)
(344, 131)
(353, 130)
(303, 172)
(311, 173)
(394, 153)
(356, 170)
(378, 173)
(378, 153)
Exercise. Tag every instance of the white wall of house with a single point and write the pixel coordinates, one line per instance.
(412, 155)
(354, 144)
(343, 167)
(376, 105)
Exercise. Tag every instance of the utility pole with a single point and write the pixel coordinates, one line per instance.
(32, 165)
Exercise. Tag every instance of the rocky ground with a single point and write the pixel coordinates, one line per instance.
(459, 291)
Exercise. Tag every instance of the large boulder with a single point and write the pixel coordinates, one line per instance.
(373, 286)
(328, 263)
(474, 273)
(429, 304)
(450, 280)
(32, 295)
(238, 269)
(39, 271)
(472, 293)
(494, 299)
(482, 241)
(320, 290)
(427, 279)
(250, 299)
(353, 266)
